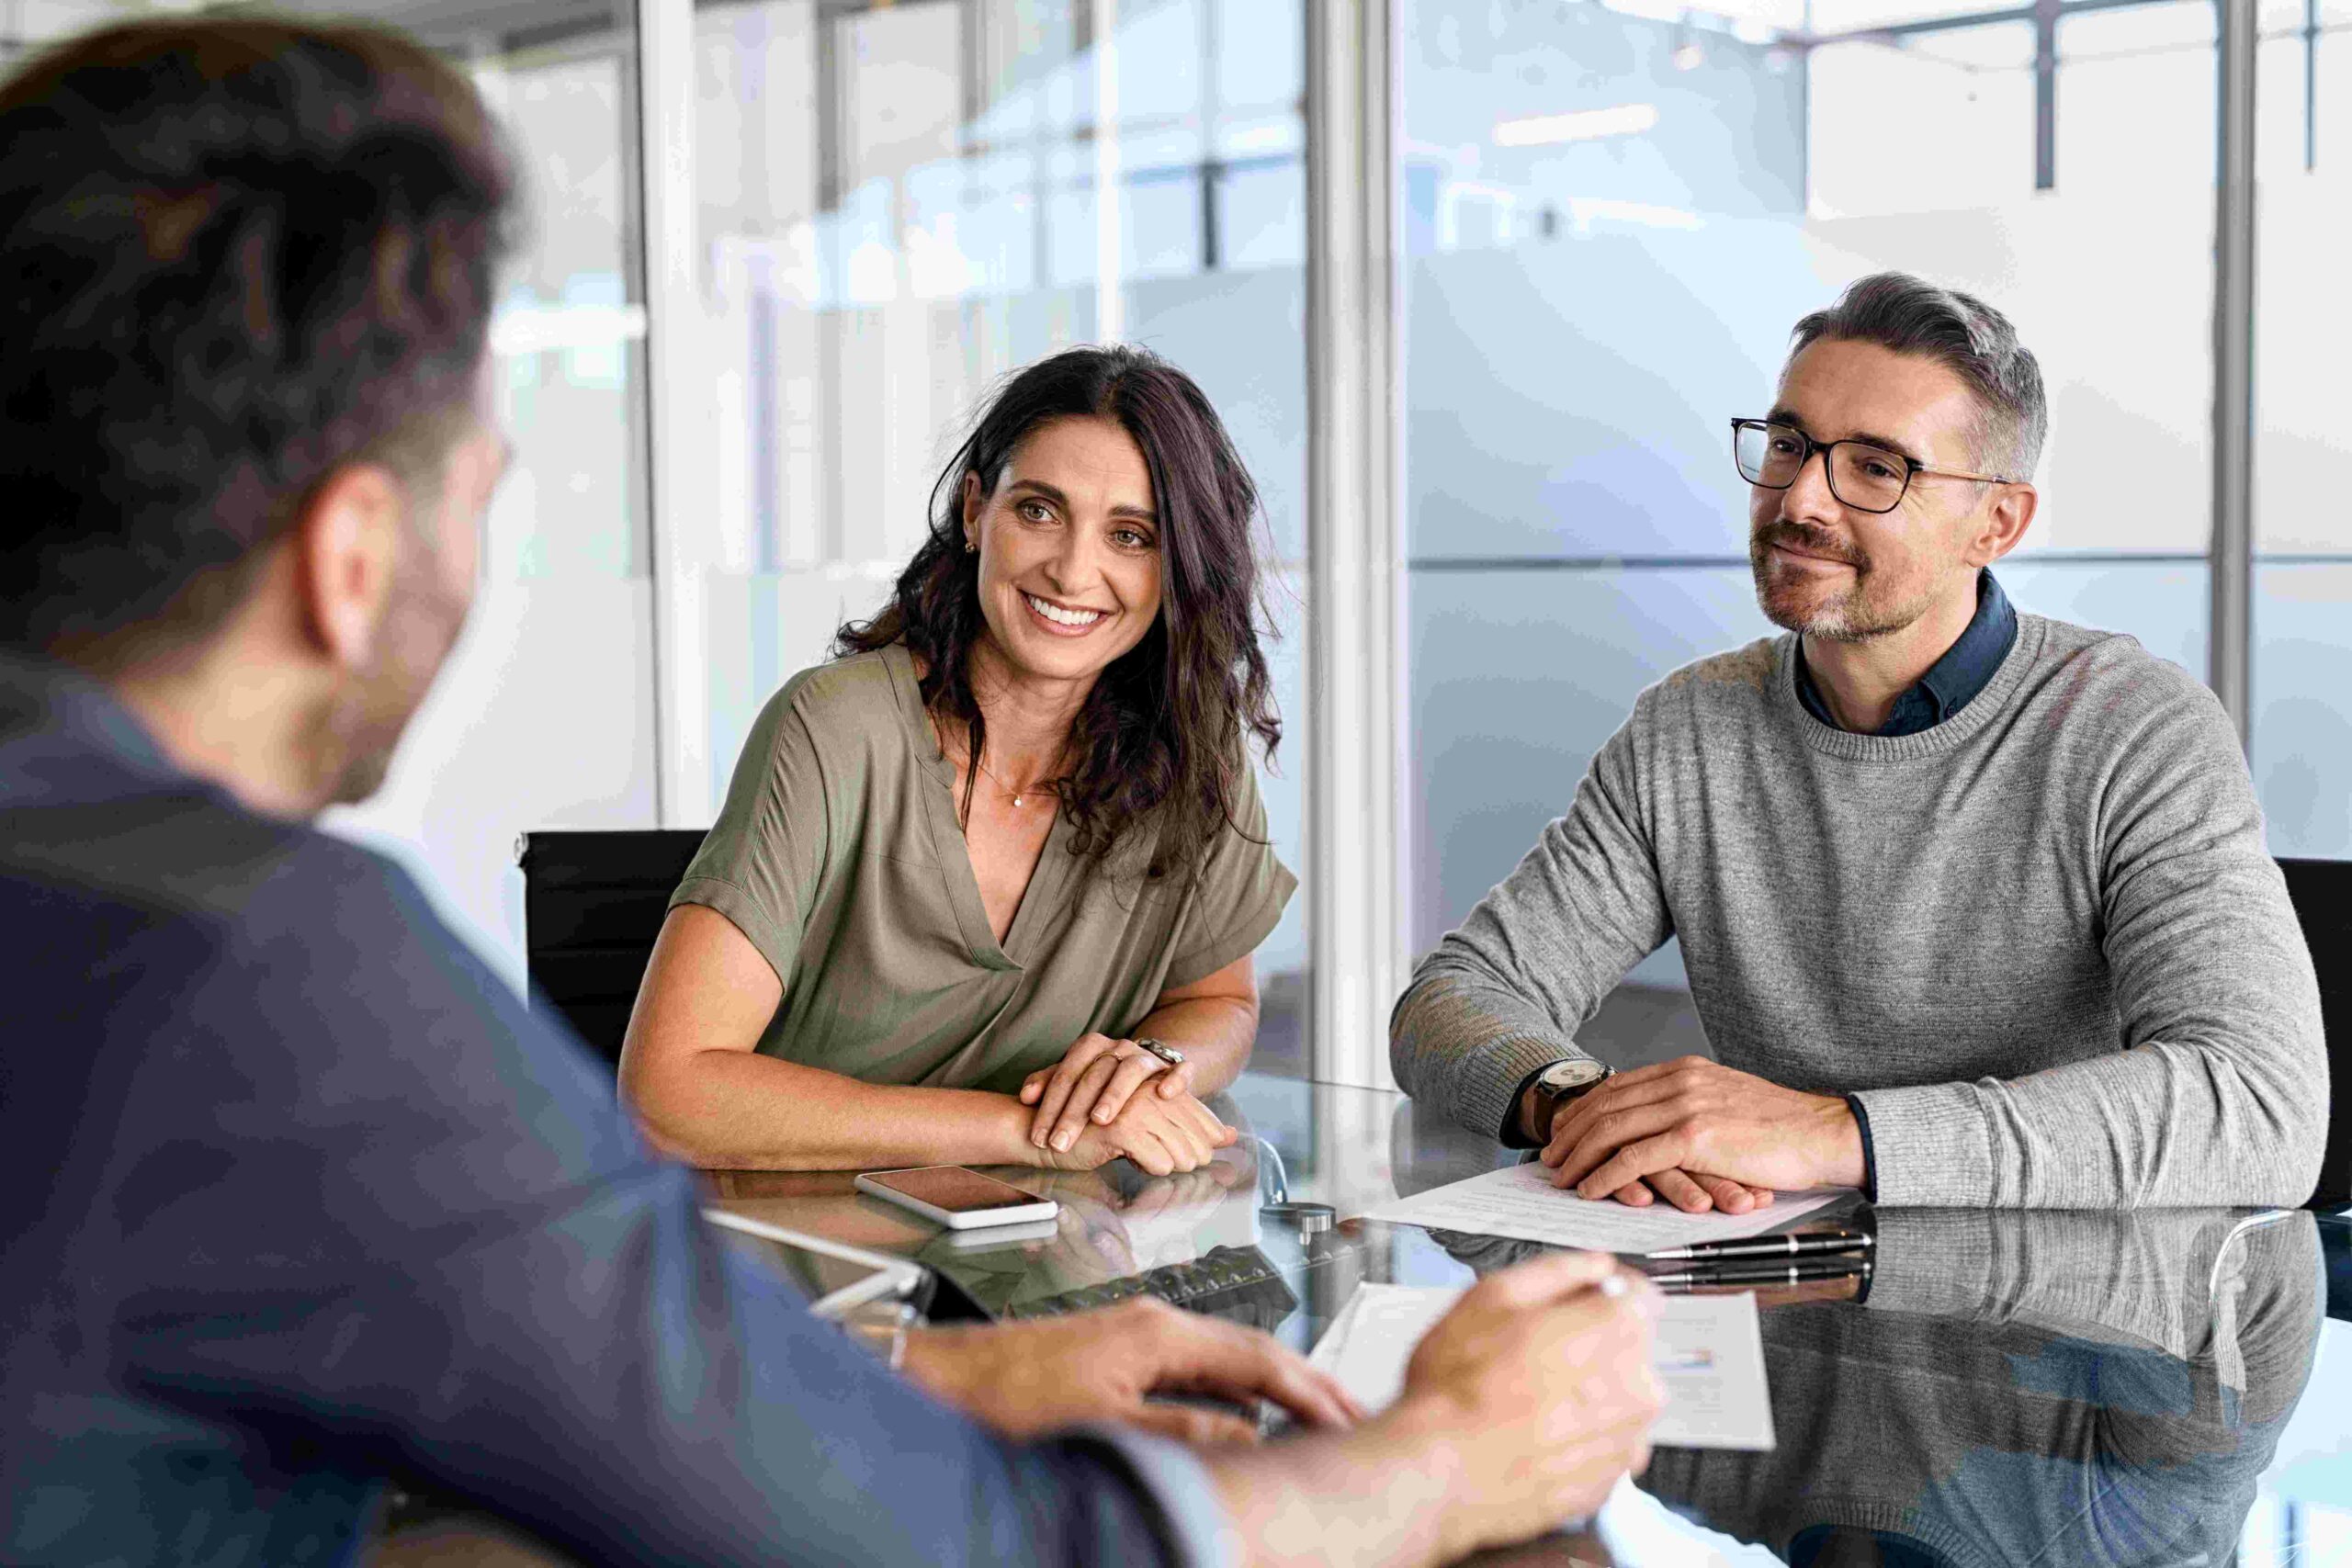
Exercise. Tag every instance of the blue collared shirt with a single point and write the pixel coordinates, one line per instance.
(1952, 681)
(301, 1197)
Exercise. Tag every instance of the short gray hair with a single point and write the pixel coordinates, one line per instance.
(1963, 334)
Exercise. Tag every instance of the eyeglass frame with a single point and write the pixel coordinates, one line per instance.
(1912, 468)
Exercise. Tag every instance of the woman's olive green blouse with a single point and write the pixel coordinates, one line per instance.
(840, 855)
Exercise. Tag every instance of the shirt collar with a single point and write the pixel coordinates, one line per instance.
(1970, 664)
(39, 694)
(1952, 681)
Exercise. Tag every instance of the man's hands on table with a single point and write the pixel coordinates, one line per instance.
(1520, 1410)
(1702, 1135)
(1025, 1378)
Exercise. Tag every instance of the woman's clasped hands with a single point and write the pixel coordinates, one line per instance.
(1092, 1107)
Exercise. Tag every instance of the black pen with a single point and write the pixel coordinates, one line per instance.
(1747, 1274)
(1792, 1244)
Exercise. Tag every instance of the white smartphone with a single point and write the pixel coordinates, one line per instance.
(959, 1198)
(966, 1243)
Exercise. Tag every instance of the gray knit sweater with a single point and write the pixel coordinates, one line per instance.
(2042, 939)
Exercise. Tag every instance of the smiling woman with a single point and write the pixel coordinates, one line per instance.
(1002, 862)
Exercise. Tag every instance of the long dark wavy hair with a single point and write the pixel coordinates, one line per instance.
(1160, 737)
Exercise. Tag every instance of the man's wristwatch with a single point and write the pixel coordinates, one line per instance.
(1560, 1083)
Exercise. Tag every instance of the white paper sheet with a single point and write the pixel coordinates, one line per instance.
(1710, 1356)
(1521, 1202)
(1368, 1344)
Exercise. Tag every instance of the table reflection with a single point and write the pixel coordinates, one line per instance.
(2060, 1388)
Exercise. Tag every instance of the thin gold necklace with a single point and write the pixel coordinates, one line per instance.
(1018, 795)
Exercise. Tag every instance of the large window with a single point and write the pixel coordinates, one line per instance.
(1615, 213)
(2303, 578)
(556, 660)
(897, 205)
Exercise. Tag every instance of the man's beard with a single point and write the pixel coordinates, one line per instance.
(354, 734)
(1855, 615)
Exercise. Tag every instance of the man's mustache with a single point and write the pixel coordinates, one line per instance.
(1811, 540)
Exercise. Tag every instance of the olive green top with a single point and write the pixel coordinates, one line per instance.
(840, 854)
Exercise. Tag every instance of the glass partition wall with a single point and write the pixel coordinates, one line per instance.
(1616, 212)
(2302, 727)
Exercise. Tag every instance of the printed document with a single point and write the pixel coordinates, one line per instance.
(1709, 1354)
(1521, 1202)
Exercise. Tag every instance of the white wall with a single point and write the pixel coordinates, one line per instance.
(542, 719)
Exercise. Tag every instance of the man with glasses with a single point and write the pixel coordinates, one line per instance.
(1974, 904)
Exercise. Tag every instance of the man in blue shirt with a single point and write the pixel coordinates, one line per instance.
(302, 1198)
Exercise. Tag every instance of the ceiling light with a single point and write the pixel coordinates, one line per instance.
(1586, 125)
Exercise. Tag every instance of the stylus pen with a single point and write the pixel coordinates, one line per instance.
(1796, 1271)
(1796, 1244)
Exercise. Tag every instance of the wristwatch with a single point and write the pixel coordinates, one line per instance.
(1164, 1051)
(1562, 1082)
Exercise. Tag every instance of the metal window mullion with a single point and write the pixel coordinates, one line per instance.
(1354, 770)
(665, 102)
(2045, 95)
(2230, 654)
(2311, 85)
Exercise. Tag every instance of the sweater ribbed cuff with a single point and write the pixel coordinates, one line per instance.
(1934, 1264)
(1487, 1078)
(1862, 1114)
(1932, 1146)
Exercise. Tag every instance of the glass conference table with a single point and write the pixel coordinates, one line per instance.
(2053, 1389)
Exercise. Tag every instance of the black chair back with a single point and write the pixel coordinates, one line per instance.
(2321, 892)
(2336, 1258)
(592, 903)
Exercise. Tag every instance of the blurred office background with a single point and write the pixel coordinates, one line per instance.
(781, 247)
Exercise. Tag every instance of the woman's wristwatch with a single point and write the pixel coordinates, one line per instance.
(1560, 1083)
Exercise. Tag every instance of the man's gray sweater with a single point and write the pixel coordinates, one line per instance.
(2042, 939)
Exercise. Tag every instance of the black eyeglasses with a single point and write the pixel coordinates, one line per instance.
(1866, 478)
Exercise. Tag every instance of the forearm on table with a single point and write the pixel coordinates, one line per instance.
(2123, 1279)
(1466, 1043)
(1503, 994)
(739, 1109)
(2159, 1124)
(1216, 1034)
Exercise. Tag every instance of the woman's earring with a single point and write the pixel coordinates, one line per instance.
(970, 548)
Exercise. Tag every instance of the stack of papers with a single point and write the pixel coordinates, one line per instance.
(1709, 1354)
(1522, 1203)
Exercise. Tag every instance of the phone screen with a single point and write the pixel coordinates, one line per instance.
(955, 1189)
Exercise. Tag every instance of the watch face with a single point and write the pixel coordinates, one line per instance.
(1564, 1076)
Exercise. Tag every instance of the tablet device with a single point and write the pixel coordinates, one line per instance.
(834, 1278)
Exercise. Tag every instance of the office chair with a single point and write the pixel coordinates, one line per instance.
(2321, 891)
(2336, 1262)
(592, 903)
